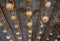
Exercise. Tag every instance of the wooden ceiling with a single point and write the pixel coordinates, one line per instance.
(35, 28)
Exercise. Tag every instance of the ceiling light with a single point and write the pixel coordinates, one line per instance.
(56, 40)
(51, 34)
(58, 36)
(11, 40)
(29, 31)
(16, 25)
(38, 37)
(19, 38)
(29, 24)
(48, 4)
(17, 33)
(8, 37)
(29, 35)
(40, 32)
(47, 38)
(45, 18)
(29, 39)
(29, 13)
(1, 24)
(41, 26)
(9, 6)
(13, 17)
(4, 31)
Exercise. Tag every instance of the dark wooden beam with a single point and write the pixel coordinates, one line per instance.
(39, 18)
(15, 10)
(54, 30)
(7, 23)
(51, 17)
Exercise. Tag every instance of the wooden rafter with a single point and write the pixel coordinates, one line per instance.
(51, 17)
(15, 10)
(54, 30)
(8, 25)
(39, 18)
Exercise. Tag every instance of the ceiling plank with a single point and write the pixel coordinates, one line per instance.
(51, 17)
(15, 10)
(39, 18)
(7, 23)
(54, 30)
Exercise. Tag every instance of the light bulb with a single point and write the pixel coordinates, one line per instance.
(41, 26)
(1, 24)
(13, 17)
(19, 38)
(29, 39)
(4, 31)
(29, 13)
(58, 36)
(48, 4)
(11, 40)
(40, 32)
(45, 18)
(29, 24)
(17, 33)
(9, 6)
(8, 37)
(56, 40)
(51, 33)
(16, 25)
(38, 37)
(29, 31)
(47, 38)
(29, 35)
